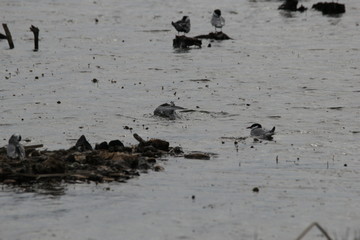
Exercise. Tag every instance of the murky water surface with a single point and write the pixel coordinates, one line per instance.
(296, 71)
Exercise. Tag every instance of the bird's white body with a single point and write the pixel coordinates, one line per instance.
(217, 20)
(15, 149)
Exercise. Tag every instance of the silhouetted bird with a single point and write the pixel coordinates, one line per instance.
(182, 25)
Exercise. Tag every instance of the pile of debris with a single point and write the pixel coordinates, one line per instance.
(106, 163)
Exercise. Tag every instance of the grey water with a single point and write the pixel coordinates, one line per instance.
(296, 71)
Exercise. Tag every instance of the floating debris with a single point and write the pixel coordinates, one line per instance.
(197, 155)
(214, 36)
(329, 8)
(108, 162)
(291, 5)
(186, 42)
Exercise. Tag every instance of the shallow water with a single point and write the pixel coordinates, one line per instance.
(298, 72)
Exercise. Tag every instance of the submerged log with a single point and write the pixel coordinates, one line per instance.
(185, 42)
(329, 7)
(214, 36)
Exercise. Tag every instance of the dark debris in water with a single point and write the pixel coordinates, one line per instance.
(214, 36)
(81, 163)
(184, 42)
(329, 8)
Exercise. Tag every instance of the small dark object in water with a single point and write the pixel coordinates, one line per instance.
(329, 7)
(116, 146)
(102, 146)
(256, 189)
(291, 5)
(176, 151)
(152, 145)
(197, 155)
(83, 145)
(186, 42)
(167, 110)
(215, 36)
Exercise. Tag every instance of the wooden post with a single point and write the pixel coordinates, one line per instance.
(8, 36)
(36, 31)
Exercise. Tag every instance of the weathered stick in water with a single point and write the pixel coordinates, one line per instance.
(8, 36)
(322, 230)
(36, 31)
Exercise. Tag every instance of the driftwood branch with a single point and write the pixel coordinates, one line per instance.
(322, 230)
(8, 36)
(27, 148)
(36, 31)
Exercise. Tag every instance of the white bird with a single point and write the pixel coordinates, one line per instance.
(15, 149)
(262, 133)
(217, 20)
(182, 25)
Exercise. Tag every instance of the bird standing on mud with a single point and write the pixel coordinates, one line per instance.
(262, 133)
(15, 149)
(182, 25)
(217, 20)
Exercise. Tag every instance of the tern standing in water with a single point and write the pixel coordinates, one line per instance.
(182, 25)
(15, 149)
(217, 20)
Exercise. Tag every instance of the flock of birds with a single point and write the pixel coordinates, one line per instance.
(16, 150)
(184, 25)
